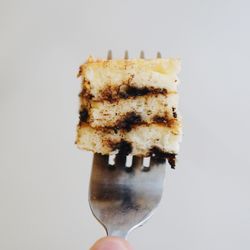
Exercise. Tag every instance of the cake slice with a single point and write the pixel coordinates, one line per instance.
(130, 106)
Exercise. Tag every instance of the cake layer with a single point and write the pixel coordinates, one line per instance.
(114, 79)
(141, 140)
(124, 113)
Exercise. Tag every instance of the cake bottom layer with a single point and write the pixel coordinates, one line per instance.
(141, 140)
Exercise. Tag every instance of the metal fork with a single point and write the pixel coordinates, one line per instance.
(122, 198)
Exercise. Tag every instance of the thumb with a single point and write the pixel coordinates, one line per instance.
(111, 243)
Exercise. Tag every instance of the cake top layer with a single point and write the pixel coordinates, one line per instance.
(116, 76)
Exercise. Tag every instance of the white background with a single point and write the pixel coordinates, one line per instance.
(44, 177)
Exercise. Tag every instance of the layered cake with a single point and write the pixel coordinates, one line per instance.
(130, 106)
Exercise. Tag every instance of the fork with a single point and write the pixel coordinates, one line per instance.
(123, 196)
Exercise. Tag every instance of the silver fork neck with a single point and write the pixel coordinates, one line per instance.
(117, 233)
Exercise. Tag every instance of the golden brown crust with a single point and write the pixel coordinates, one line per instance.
(160, 65)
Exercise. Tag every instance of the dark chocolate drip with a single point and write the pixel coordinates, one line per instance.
(160, 119)
(128, 121)
(124, 147)
(172, 160)
(131, 91)
(85, 94)
(174, 112)
(83, 115)
(113, 94)
(160, 156)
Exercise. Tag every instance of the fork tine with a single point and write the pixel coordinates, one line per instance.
(109, 56)
(158, 55)
(126, 56)
(142, 56)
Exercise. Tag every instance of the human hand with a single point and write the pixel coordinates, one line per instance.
(111, 243)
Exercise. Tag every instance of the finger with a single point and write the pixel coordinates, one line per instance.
(111, 243)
